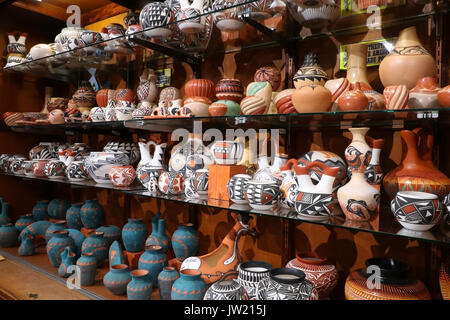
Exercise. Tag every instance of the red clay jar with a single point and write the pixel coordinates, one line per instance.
(353, 99)
(200, 88)
(230, 89)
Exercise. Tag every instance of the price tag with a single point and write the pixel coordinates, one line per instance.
(428, 114)
(240, 120)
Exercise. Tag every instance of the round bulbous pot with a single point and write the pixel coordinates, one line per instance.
(8, 235)
(140, 287)
(57, 208)
(24, 221)
(88, 265)
(185, 241)
(117, 279)
(133, 235)
(57, 244)
(55, 226)
(111, 233)
(40, 211)
(73, 216)
(190, 286)
(98, 245)
(153, 260)
(91, 214)
(166, 278)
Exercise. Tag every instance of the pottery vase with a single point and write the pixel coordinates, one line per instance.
(283, 102)
(98, 164)
(57, 225)
(262, 195)
(229, 89)
(147, 91)
(353, 99)
(226, 290)
(200, 88)
(57, 244)
(102, 98)
(185, 241)
(311, 98)
(24, 221)
(8, 235)
(358, 153)
(286, 284)
(117, 279)
(153, 260)
(57, 208)
(84, 97)
(310, 73)
(4, 214)
(111, 233)
(140, 286)
(133, 235)
(155, 17)
(270, 74)
(151, 164)
(78, 239)
(91, 214)
(424, 94)
(374, 172)
(323, 275)
(122, 176)
(416, 171)
(26, 247)
(356, 63)
(166, 278)
(68, 258)
(393, 279)
(159, 235)
(98, 245)
(115, 255)
(236, 188)
(190, 286)
(87, 265)
(396, 97)
(408, 62)
(73, 216)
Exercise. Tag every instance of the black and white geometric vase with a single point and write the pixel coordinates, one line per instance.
(98, 164)
(314, 205)
(131, 149)
(286, 284)
(155, 17)
(226, 290)
(250, 273)
(446, 203)
(76, 171)
(416, 211)
(55, 169)
(262, 195)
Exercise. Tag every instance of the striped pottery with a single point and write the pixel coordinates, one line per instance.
(8, 235)
(96, 244)
(110, 233)
(57, 244)
(87, 264)
(117, 279)
(24, 221)
(166, 278)
(73, 216)
(226, 290)
(190, 286)
(91, 214)
(250, 273)
(140, 287)
(153, 260)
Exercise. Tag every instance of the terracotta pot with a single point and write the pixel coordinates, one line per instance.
(337, 87)
(84, 97)
(396, 97)
(416, 171)
(200, 88)
(269, 74)
(310, 73)
(283, 102)
(199, 106)
(322, 274)
(408, 62)
(224, 108)
(124, 95)
(312, 98)
(230, 89)
(424, 94)
(394, 283)
(353, 99)
(102, 98)
(122, 176)
(444, 96)
(356, 63)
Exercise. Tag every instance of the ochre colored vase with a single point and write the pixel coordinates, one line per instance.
(394, 283)
(353, 99)
(356, 63)
(200, 88)
(408, 62)
(416, 171)
(311, 98)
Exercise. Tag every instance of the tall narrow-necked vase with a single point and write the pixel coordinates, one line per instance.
(358, 153)
(158, 237)
(356, 63)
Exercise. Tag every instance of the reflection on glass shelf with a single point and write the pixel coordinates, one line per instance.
(71, 128)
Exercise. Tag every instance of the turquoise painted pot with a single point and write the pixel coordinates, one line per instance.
(185, 241)
(116, 254)
(158, 237)
(26, 247)
(40, 210)
(55, 226)
(133, 235)
(8, 235)
(88, 267)
(117, 279)
(38, 229)
(24, 221)
(140, 286)
(73, 217)
(153, 260)
(190, 286)
(91, 214)
(166, 278)
(57, 244)
(68, 258)
(98, 245)
(57, 208)
(4, 214)
(110, 233)
(78, 239)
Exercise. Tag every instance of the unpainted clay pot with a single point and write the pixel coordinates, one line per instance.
(312, 98)
(200, 88)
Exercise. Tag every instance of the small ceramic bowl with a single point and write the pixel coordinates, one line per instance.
(201, 181)
(227, 152)
(28, 167)
(39, 167)
(236, 188)
(55, 169)
(262, 195)
(416, 211)
(122, 176)
(76, 171)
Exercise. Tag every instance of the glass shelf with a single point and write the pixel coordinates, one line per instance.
(114, 55)
(385, 224)
(107, 127)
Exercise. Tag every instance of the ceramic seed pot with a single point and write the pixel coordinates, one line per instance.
(153, 260)
(98, 245)
(185, 241)
(190, 286)
(396, 97)
(111, 233)
(236, 188)
(229, 89)
(262, 195)
(91, 214)
(117, 279)
(8, 235)
(57, 244)
(166, 278)
(155, 16)
(269, 74)
(417, 211)
(133, 235)
(226, 290)
(24, 221)
(353, 99)
(199, 106)
(73, 216)
(122, 176)
(140, 287)
(311, 98)
(323, 275)
(395, 284)
(224, 108)
(87, 264)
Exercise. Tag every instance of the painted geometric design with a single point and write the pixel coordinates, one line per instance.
(374, 174)
(262, 194)
(392, 185)
(236, 188)
(313, 204)
(416, 211)
(226, 290)
(268, 289)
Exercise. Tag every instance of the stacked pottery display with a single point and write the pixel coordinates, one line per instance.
(393, 279)
(358, 199)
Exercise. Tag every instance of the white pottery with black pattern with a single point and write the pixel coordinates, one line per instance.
(155, 16)
(55, 169)
(226, 290)
(228, 19)
(76, 171)
(98, 164)
(131, 149)
(45, 150)
(250, 273)
(262, 195)
(236, 188)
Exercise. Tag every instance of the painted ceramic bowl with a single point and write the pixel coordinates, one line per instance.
(224, 108)
(97, 114)
(201, 181)
(131, 149)
(250, 273)
(76, 171)
(124, 110)
(171, 182)
(39, 167)
(226, 290)
(122, 176)
(416, 211)
(262, 195)
(28, 167)
(16, 166)
(55, 169)
(227, 152)
(98, 164)
(155, 15)
(315, 206)
(230, 89)
(236, 188)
